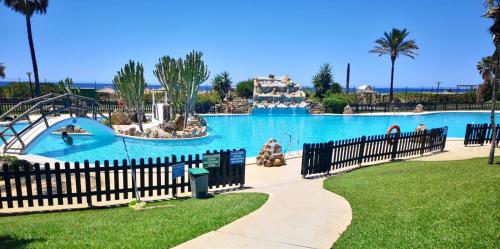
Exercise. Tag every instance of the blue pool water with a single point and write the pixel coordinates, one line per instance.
(250, 132)
(17, 127)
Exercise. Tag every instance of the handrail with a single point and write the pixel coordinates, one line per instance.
(26, 102)
(40, 107)
(37, 105)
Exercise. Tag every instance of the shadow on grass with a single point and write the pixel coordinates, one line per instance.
(16, 243)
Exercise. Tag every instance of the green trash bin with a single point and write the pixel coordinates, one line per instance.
(199, 182)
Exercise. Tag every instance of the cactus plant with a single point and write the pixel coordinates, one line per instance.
(130, 84)
(193, 72)
(168, 73)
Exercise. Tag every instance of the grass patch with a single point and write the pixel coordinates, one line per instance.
(123, 227)
(449, 204)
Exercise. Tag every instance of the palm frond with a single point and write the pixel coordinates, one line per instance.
(28, 7)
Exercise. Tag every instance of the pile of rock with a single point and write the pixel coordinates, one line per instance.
(119, 117)
(316, 108)
(196, 127)
(419, 108)
(270, 154)
(348, 110)
(234, 105)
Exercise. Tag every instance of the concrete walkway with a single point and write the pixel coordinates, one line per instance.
(299, 214)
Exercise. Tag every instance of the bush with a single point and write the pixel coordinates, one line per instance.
(244, 89)
(335, 103)
(22, 90)
(335, 88)
(11, 162)
(205, 101)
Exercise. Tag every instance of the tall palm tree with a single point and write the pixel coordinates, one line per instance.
(323, 80)
(221, 83)
(2, 71)
(493, 12)
(28, 8)
(394, 44)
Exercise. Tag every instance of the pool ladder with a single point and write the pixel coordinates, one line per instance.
(291, 141)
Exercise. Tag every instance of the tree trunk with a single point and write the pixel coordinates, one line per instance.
(38, 91)
(491, 156)
(392, 80)
(140, 114)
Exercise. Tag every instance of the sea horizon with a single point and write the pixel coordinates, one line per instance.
(208, 87)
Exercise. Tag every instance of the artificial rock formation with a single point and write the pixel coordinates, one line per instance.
(281, 92)
(270, 154)
(419, 108)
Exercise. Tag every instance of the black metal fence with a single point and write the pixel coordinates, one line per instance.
(434, 106)
(77, 183)
(480, 134)
(324, 157)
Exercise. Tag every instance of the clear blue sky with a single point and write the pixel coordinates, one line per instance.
(90, 40)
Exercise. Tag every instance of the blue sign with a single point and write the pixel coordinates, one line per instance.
(178, 170)
(237, 157)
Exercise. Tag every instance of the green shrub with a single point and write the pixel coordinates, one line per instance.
(205, 101)
(11, 162)
(244, 89)
(335, 103)
(22, 90)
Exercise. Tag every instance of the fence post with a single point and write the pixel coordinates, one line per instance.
(361, 150)
(395, 147)
(243, 168)
(422, 142)
(88, 188)
(444, 134)
(328, 157)
(467, 134)
(305, 160)
(483, 134)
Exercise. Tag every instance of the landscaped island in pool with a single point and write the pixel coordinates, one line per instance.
(251, 131)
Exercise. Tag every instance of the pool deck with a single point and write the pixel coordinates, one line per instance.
(300, 213)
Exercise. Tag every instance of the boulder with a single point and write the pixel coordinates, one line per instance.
(134, 117)
(131, 131)
(119, 117)
(271, 155)
(153, 134)
(179, 122)
(169, 127)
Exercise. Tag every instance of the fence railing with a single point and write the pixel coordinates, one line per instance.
(431, 106)
(104, 106)
(480, 134)
(324, 157)
(68, 184)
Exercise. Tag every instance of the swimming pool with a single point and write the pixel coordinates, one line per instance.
(251, 131)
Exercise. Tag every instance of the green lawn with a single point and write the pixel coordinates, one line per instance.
(123, 227)
(452, 204)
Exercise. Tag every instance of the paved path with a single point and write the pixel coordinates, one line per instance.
(298, 214)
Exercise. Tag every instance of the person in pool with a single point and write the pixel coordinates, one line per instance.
(67, 138)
